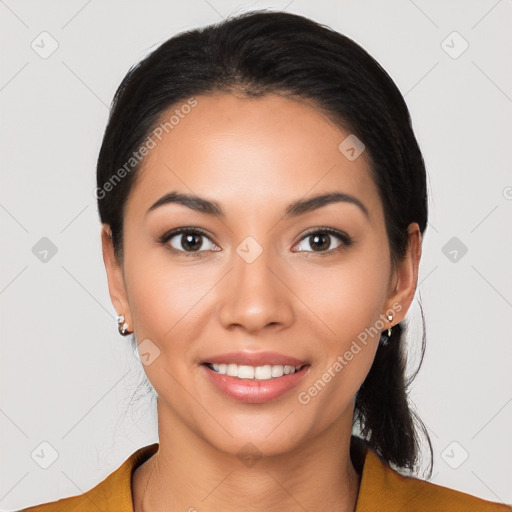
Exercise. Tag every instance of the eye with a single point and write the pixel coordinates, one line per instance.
(188, 240)
(319, 240)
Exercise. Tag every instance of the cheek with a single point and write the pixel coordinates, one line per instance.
(344, 358)
(350, 305)
(163, 295)
(165, 303)
(349, 297)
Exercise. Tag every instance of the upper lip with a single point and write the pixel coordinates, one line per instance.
(255, 359)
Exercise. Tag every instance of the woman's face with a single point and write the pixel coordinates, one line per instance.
(260, 276)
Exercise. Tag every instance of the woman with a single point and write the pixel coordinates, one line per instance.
(263, 201)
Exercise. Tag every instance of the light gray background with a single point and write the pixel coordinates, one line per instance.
(67, 376)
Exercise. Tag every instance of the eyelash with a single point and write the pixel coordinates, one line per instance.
(346, 240)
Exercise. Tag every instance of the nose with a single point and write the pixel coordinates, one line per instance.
(255, 295)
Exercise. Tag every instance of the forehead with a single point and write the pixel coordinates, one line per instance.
(249, 153)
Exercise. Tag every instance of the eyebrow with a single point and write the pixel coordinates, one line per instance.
(208, 207)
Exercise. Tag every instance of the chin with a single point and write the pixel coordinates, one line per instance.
(272, 432)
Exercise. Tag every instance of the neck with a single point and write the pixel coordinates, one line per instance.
(189, 474)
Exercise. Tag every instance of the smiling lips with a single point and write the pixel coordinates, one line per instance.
(254, 377)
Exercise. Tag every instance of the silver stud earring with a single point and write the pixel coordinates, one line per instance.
(390, 318)
(122, 326)
(384, 340)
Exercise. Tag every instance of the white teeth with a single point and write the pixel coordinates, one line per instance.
(265, 372)
(277, 371)
(262, 372)
(245, 372)
(232, 370)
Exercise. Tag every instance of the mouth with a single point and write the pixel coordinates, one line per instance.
(257, 373)
(254, 378)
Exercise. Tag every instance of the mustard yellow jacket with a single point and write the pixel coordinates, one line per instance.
(381, 490)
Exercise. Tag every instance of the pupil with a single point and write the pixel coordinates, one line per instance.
(189, 242)
(316, 239)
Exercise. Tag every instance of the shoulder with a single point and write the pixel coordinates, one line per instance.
(384, 489)
(112, 494)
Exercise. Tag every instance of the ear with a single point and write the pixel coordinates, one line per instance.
(115, 276)
(405, 277)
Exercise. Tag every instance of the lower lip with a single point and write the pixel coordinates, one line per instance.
(255, 391)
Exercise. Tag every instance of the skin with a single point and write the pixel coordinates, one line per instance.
(254, 157)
